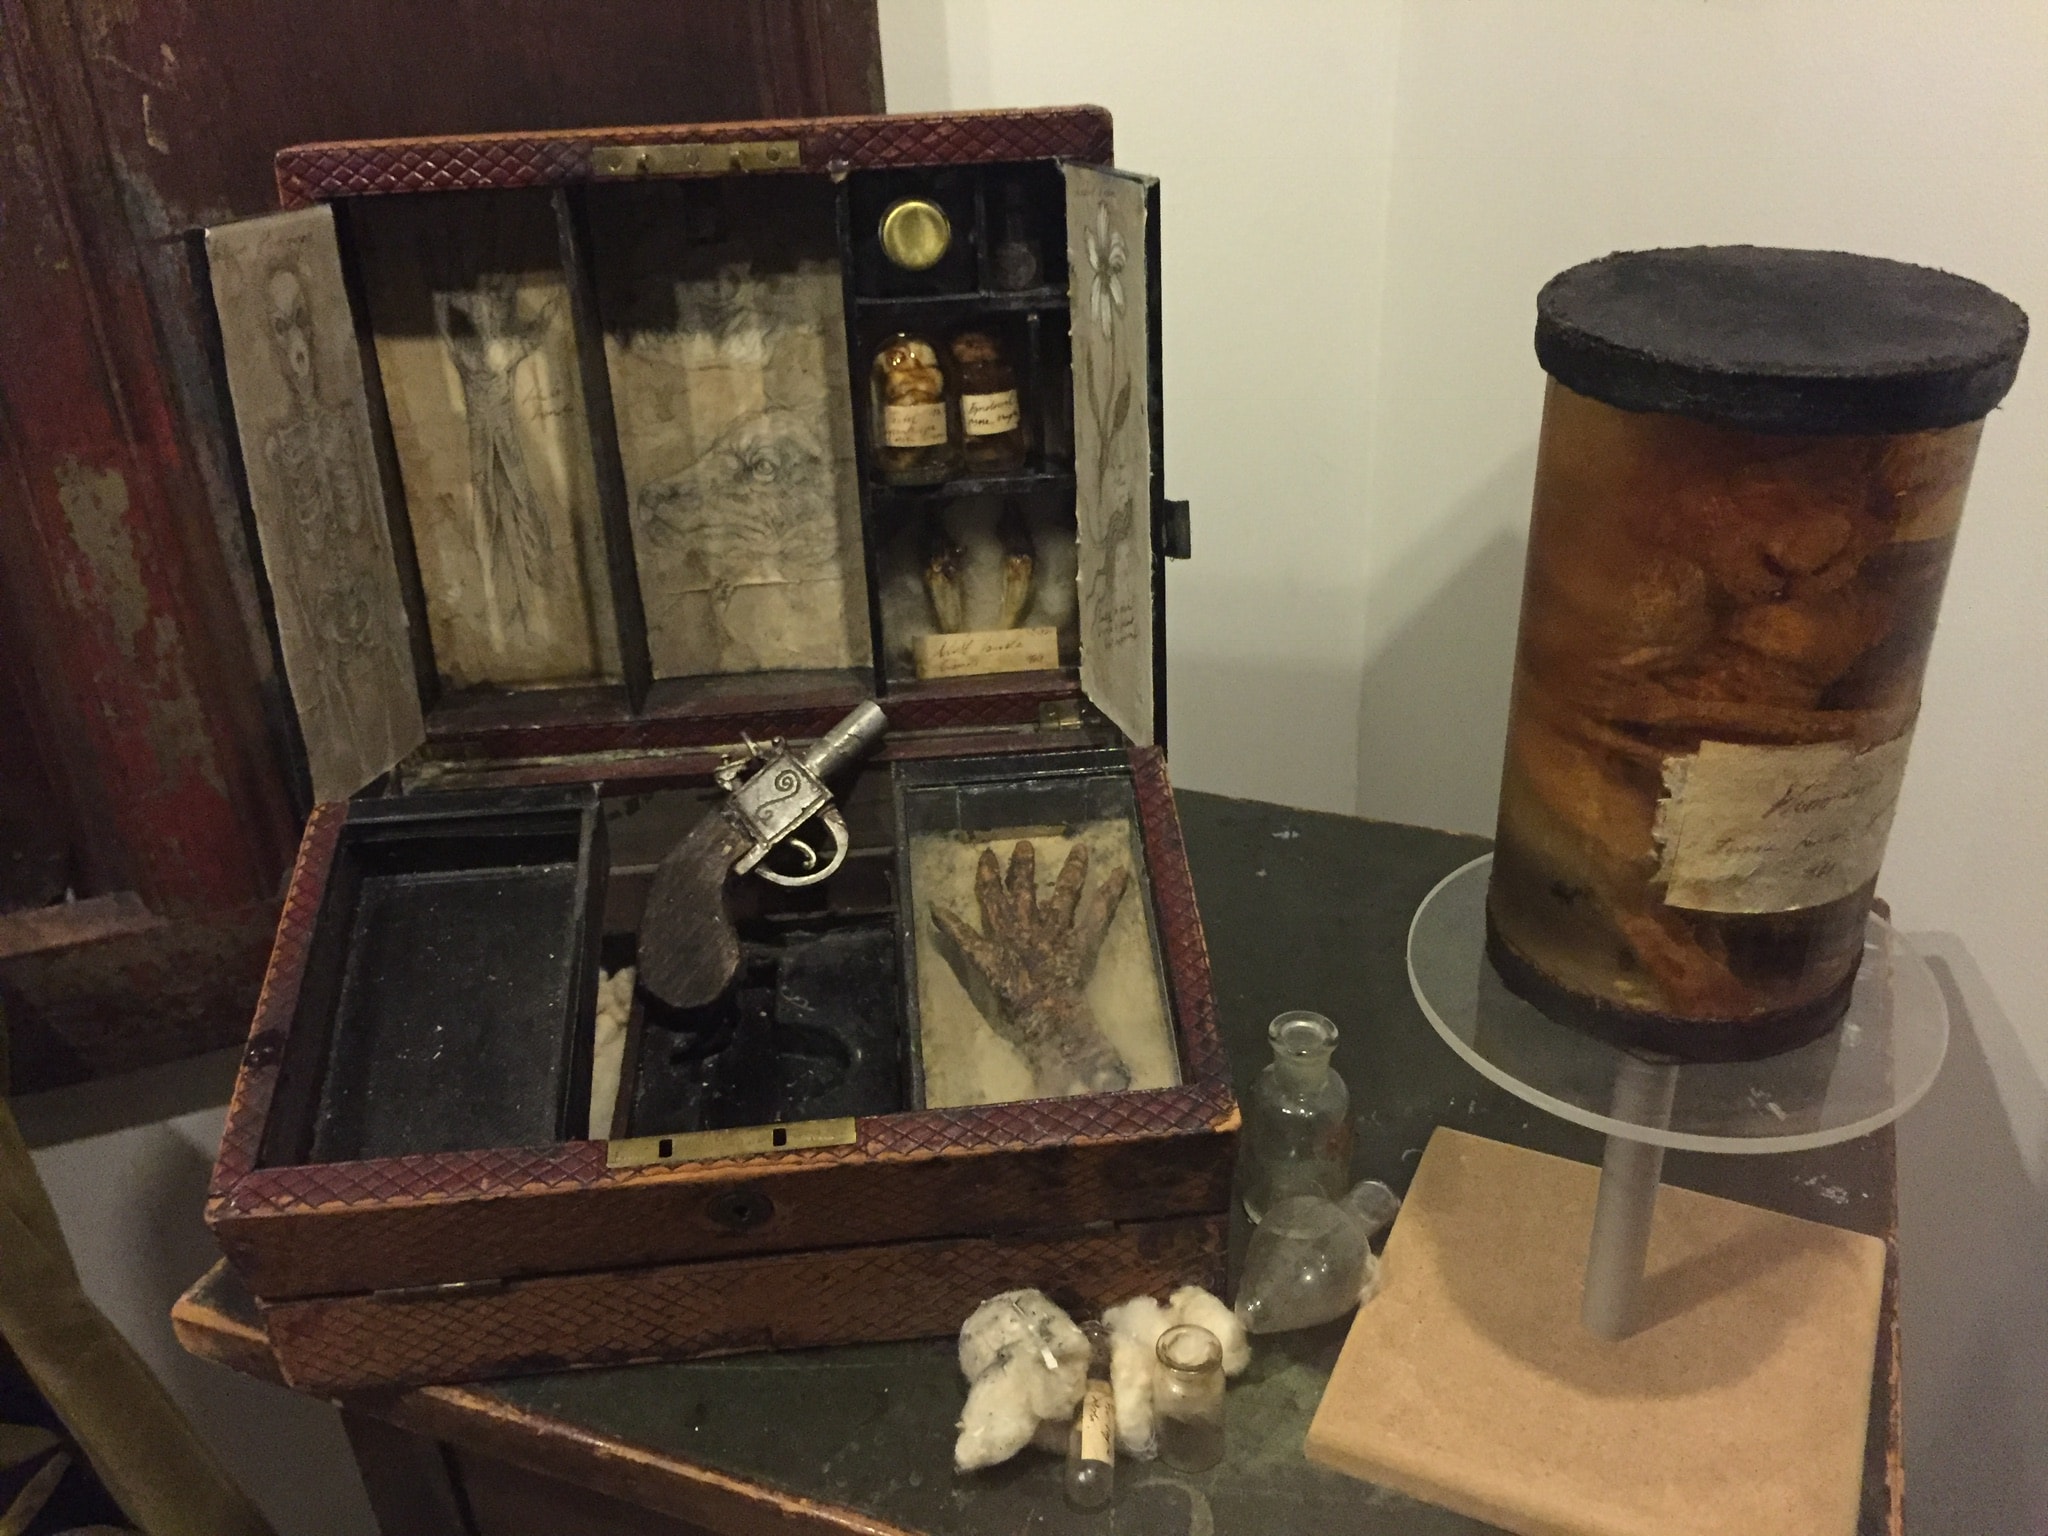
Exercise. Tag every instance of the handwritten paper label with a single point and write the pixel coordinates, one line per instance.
(1097, 1420)
(975, 651)
(913, 426)
(986, 415)
(1774, 829)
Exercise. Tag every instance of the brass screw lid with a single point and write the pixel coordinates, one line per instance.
(915, 233)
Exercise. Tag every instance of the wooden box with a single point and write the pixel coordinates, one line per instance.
(559, 452)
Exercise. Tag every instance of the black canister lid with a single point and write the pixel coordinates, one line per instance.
(1775, 340)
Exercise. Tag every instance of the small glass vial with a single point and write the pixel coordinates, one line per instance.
(1298, 1118)
(911, 399)
(991, 417)
(1188, 1398)
(1014, 264)
(1091, 1445)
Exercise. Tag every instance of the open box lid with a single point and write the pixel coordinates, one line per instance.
(338, 530)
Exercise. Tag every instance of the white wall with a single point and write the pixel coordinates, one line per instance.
(1360, 202)
(1272, 295)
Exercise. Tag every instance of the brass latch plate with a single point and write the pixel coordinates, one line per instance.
(746, 1141)
(696, 159)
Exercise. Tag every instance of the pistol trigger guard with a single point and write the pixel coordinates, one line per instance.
(836, 825)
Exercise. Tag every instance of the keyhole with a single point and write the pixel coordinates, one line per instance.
(739, 1210)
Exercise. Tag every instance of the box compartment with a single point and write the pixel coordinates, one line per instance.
(449, 982)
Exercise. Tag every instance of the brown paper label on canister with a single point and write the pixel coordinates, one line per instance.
(1774, 829)
(986, 415)
(914, 426)
(1098, 1423)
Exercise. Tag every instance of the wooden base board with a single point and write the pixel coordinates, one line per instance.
(1739, 1407)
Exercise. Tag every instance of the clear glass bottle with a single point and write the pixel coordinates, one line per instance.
(1311, 1261)
(1188, 1398)
(1297, 1118)
(1014, 264)
(1091, 1444)
(912, 401)
(991, 415)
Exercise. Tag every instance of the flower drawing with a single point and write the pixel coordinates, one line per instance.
(1105, 272)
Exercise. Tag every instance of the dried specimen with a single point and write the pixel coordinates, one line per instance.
(1019, 563)
(1028, 968)
(943, 559)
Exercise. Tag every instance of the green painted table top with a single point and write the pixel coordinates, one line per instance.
(1302, 910)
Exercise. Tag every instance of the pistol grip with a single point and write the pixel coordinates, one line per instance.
(688, 950)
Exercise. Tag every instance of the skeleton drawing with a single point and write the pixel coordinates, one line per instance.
(487, 340)
(320, 461)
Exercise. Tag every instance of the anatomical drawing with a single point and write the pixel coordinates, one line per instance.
(320, 459)
(725, 340)
(471, 315)
(300, 409)
(487, 339)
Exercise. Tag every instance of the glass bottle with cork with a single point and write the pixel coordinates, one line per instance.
(1091, 1444)
(912, 412)
(991, 412)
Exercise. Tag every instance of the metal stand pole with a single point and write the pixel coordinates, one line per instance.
(1643, 1094)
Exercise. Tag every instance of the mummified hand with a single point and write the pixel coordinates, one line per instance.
(1027, 968)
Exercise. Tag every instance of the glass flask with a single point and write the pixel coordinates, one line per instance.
(1091, 1444)
(912, 421)
(1311, 1260)
(1297, 1118)
(1750, 477)
(991, 417)
(1187, 1398)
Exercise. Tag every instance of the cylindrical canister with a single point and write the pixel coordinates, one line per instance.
(1750, 477)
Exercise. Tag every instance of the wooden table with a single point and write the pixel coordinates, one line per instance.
(1302, 910)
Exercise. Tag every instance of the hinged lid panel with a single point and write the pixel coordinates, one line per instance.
(303, 420)
(1113, 492)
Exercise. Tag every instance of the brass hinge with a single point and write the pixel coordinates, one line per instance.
(1059, 715)
(746, 1141)
(696, 159)
(452, 1288)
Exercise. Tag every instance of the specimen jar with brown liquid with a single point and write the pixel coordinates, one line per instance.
(991, 419)
(912, 419)
(1748, 487)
